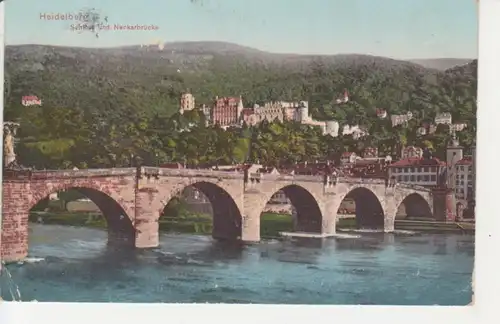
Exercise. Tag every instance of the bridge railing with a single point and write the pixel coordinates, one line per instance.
(360, 180)
(412, 186)
(192, 172)
(50, 174)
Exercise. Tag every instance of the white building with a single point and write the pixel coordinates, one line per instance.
(464, 178)
(417, 171)
(401, 119)
(356, 131)
(443, 118)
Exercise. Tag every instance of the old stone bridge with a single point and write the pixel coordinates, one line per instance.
(132, 200)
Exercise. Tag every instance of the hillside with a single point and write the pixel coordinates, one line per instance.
(94, 93)
(154, 79)
(441, 63)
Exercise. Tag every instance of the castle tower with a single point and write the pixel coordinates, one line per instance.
(187, 103)
(303, 111)
(240, 108)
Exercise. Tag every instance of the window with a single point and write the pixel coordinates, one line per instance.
(400, 178)
(454, 153)
(457, 168)
(433, 169)
(461, 176)
(406, 170)
(412, 170)
(406, 178)
(412, 178)
(433, 177)
(426, 178)
(426, 169)
(418, 178)
(462, 168)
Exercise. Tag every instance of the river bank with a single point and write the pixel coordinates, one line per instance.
(272, 223)
(192, 223)
(417, 225)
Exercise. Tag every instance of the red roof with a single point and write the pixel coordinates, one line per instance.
(465, 161)
(417, 161)
(347, 154)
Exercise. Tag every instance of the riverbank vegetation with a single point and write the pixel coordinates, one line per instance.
(201, 224)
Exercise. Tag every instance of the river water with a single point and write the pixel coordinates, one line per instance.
(69, 264)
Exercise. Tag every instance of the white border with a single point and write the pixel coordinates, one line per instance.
(486, 273)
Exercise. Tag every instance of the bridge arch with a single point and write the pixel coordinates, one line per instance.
(226, 214)
(413, 205)
(305, 210)
(118, 216)
(363, 204)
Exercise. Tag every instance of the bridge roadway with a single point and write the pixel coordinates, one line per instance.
(132, 200)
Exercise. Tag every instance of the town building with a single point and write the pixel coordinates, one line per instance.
(411, 152)
(356, 131)
(226, 111)
(397, 120)
(347, 158)
(443, 118)
(464, 179)
(417, 170)
(457, 127)
(187, 102)
(370, 165)
(381, 113)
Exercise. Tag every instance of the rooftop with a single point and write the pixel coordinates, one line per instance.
(465, 161)
(417, 161)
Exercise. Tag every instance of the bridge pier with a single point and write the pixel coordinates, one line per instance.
(147, 214)
(250, 228)
(15, 210)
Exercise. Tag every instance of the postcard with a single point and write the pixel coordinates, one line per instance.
(240, 152)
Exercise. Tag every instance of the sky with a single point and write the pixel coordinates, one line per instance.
(404, 29)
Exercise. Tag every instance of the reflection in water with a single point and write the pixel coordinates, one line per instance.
(77, 265)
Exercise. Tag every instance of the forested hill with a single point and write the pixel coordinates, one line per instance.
(108, 79)
(89, 87)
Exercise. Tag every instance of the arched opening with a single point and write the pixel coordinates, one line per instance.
(290, 209)
(414, 206)
(202, 208)
(361, 208)
(79, 206)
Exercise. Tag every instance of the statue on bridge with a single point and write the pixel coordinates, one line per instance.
(9, 154)
(9, 131)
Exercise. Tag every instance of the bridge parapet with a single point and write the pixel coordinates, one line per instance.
(85, 173)
(191, 173)
(288, 178)
(414, 187)
(361, 181)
